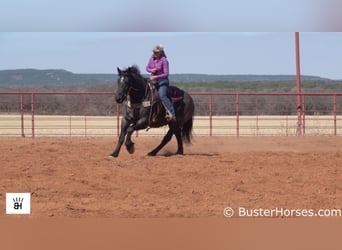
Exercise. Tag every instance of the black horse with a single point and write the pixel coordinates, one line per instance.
(141, 111)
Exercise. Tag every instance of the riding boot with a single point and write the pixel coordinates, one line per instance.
(169, 116)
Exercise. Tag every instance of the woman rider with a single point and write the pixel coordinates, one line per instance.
(158, 66)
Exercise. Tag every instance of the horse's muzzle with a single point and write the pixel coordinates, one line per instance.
(119, 100)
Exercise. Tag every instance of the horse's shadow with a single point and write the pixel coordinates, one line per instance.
(169, 154)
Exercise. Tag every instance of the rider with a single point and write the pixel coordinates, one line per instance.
(158, 66)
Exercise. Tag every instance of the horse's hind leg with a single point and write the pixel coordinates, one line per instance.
(178, 135)
(165, 140)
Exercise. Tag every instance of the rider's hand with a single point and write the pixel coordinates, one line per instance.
(152, 78)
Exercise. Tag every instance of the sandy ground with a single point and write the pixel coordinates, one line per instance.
(73, 177)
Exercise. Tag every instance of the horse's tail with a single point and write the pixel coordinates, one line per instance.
(187, 131)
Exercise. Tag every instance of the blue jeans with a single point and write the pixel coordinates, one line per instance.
(163, 88)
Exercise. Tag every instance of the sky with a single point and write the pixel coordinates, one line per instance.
(175, 15)
(187, 52)
(210, 37)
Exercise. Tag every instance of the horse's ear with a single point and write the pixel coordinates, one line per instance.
(119, 70)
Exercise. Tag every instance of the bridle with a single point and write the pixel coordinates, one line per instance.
(128, 85)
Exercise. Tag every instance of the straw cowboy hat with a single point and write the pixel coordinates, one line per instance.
(158, 48)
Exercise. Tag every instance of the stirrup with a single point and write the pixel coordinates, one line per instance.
(170, 118)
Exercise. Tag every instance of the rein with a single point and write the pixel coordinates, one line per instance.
(131, 88)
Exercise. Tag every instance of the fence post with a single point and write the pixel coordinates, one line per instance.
(257, 116)
(210, 115)
(70, 124)
(85, 105)
(117, 119)
(298, 86)
(335, 121)
(85, 125)
(22, 115)
(32, 113)
(303, 114)
(237, 111)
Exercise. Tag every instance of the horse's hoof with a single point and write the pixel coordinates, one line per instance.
(130, 148)
(113, 155)
(152, 154)
(179, 153)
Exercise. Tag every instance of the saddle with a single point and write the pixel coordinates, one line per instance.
(158, 111)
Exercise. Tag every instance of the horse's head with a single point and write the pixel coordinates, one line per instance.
(123, 86)
(129, 79)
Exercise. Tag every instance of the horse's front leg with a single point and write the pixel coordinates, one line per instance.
(123, 132)
(141, 124)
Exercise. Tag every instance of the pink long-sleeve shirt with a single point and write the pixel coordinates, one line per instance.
(162, 66)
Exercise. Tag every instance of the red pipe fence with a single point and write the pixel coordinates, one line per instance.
(30, 114)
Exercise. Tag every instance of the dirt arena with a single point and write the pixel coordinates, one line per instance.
(73, 177)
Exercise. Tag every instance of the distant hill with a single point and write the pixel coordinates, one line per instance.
(50, 77)
(27, 77)
(240, 78)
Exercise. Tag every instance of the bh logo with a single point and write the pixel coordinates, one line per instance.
(18, 203)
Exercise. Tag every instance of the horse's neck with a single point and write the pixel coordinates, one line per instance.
(138, 93)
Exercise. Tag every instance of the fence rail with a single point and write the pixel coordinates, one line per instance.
(30, 114)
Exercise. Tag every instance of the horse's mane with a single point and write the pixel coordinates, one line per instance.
(134, 69)
(135, 73)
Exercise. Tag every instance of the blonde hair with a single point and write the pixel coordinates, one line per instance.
(163, 53)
